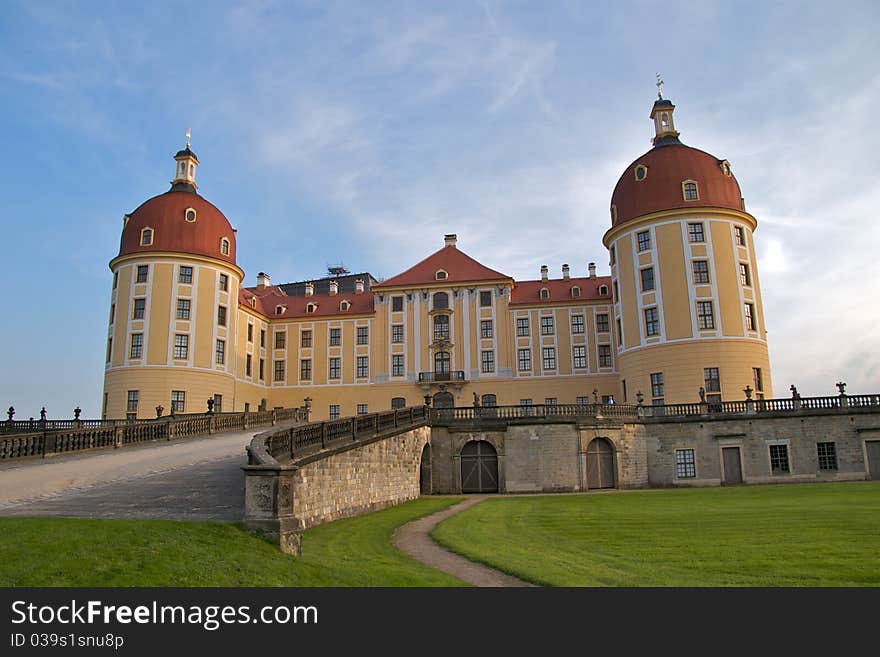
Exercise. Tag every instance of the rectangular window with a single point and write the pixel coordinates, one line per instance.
(248, 364)
(140, 307)
(281, 339)
(739, 236)
(616, 292)
(657, 391)
(334, 411)
(744, 276)
(487, 361)
(397, 333)
(749, 310)
(602, 323)
(132, 405)
(701, 272)
(827, 453)
(652, 321)
(695, 233)
(647, 279)
(185, 275)
(279, 370)
(526, 406)
(262, 337)
(485, 299)
(363, 409)
(250, 332)
(525, 360)
(142, 272)
(522, 326)
(221, 315)
(613, 259)
(546, 326)
(305, 369)
(551, 403)
(441, 327)
(363, 336)
(335, 368)
(705, 315)
(619, 331)
(363, 367)
(109, 349)
(779, 458)
(644, 240)
(712, 381)
(178, 401)
(604, 355)
(685, 464)
(220, 352)
(218, 403)
(580, 356)
(486, 328)
(262, 369)
(224, 283)
(115, 279)
(757, 378)
(577, 323)
(112, 312)
(335, 337)
(397, 365)
(181, 346)
(183, 308)
(582, 400)
(549, 354)
(305, 339)
(137, 345)
(396, 304)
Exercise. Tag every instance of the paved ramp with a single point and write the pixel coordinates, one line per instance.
(187, 479)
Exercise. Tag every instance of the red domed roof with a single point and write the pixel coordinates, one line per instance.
(668, 166)
(166, 216)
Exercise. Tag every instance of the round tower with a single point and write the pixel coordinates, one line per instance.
(687, 302)
(173, 306)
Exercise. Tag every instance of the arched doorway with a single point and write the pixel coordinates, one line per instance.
(489, 402)
(479, 467)
(444, 400)
(600, 464)
(425, 471)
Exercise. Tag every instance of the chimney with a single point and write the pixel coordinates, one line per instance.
(450, 239)
(262, 280)
(566, 272)
(334, 288)
(592, 268)
(359, 286)
(310, 289)
(544, 273)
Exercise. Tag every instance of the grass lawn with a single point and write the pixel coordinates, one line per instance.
(799, 535)
(75, 552)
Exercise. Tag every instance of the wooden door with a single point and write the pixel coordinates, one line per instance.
(732, 466)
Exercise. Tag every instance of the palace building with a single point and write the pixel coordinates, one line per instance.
(680, 311)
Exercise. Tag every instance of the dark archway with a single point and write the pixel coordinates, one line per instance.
(425, 471)
(444, 400)
(601, 472)
(479, 467)
(398, 402)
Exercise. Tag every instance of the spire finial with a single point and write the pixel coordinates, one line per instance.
(659, 87)
(188, 135)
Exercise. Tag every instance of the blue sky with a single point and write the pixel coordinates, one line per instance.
(361, 132)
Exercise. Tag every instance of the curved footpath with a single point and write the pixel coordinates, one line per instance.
(414, 538)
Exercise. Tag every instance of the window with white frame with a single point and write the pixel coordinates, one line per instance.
(525, 360)
(579, 354)
(363, 409)
(522, 326)
(137, 345)
(220, 352)
(827, 455)
(602, 323)
(644, 240)
(142, 273)
(363, 367)
(705, 315)
(397, 333)
(487, 361)
(549, 357)
(183, 308)
(178, 401)
(701, 272)
(334, 368)
(652, 322)
(334, 411)
(685, 464)
(779, 459)
(486, 328)
(695, 233)
(604, 355)
(181, 346)
(577, 323)
(397, 365)
(185, 275)
(547, 326)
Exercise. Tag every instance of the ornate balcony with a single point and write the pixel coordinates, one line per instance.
(455, 376)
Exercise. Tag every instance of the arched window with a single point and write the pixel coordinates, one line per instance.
(441, 362)
(441, 327)
(545, 293)
(146, 237)
(224, 246)
(603, 290)
(344, 305)
(441, 300)
(489, 400)
(441, 275)
(189, 214)
(690, 191)
(641, 172)
(398, 402)
(279, 310)
(310, 308)
(575, 291)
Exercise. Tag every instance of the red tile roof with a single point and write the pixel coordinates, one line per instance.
(459, 266)
(268, 298)
(528, 293)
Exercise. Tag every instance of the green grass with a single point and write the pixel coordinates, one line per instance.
(75, 552)
(803, 535)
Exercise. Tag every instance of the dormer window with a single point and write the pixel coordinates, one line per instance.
(344, 305)
(146, 237)
(441, 275)
(690, 191)
(545, 293)
(224, 246)
(641, 172)
(603, 290)
(279, 310)
(311, 308)
(189, 214)
(575, 291)
(725, 168)
(253, 302)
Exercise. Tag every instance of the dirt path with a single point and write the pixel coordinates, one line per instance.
(414, 538)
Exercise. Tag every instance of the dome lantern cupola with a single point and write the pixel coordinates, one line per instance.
(664, 128)
(185, 172)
